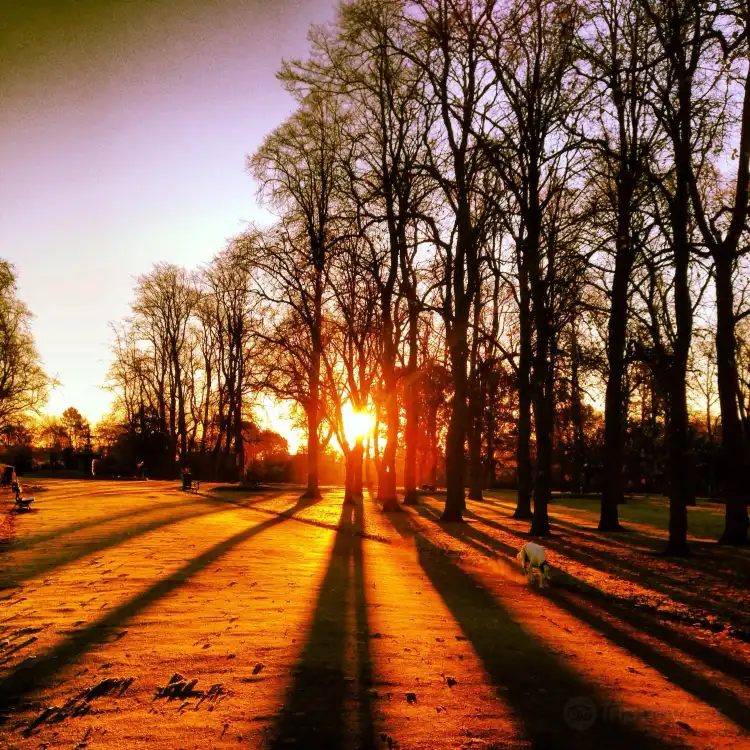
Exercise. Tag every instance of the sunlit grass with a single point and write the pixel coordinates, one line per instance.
(705, 520)
(319, 620)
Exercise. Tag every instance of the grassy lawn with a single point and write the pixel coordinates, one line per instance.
(705, 520)
(134, 615)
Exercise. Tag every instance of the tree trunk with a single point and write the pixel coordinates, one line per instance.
(733, 446)
(239, 441)
(543, 374)
(476, 423)
(576, 416)
(544, 418)
(679, 460)
(411, 431)
(358, 454)
(353, 485)
(313, 418)
(387, 470)
(313, 490)
(387, 467)
(349, 477)
(613, 489)
(206, 408)
(431, 456)
(455, 500)
(367, 461)
(313, 406)
(475, 411)
(489, 416)
(679, 482)
(523, 428)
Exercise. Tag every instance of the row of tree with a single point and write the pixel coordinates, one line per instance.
(488, 213)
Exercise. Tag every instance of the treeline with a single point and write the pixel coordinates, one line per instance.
(504, 227)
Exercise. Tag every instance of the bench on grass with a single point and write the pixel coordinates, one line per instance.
(22, 503)
(189, 483)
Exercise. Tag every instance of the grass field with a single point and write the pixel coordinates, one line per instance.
(134, 615)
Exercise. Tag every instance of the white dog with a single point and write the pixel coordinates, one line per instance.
(533, 556)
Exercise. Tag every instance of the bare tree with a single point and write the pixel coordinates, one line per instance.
(618, 47)
(447, 44)
(164, 305)
(360, 59)
(689, 104)
(296, 167)
(227, 282)
(531, 53)
(24, 386)
(721, 216)
(351, 354)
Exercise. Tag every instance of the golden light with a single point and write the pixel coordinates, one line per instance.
(357, 424)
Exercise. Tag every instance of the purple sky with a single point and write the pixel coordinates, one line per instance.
(123, 133)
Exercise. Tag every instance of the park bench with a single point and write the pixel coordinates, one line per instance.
(190, 484)
(22, 503)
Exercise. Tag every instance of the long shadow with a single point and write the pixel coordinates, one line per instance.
(651, 539)
(72, 528)
(563, 546)
(31, 541)
(704, 560)
(723, 700)
(595, 558)
(315, 710)
(648, 533)
(701, 687)
(599, 559)
(543, 693)
(604, 561)
(467, 533)
(211, 506)
(68, 555)
(607, 562)
(38, 674)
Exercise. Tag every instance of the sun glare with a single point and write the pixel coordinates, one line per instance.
(357, 424)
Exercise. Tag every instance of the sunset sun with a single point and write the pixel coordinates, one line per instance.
(357, 424)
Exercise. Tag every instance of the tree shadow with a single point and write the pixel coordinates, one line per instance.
(602, 560)
(467, 533)
(143, 510)
(542, 692)
(65, 556)
(705, 553)
(704, 688)
(63, 531)
(684, 677)
(315, 710)
(592, 559)
(35, 675)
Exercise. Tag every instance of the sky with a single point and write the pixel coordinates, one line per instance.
(124, 128)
